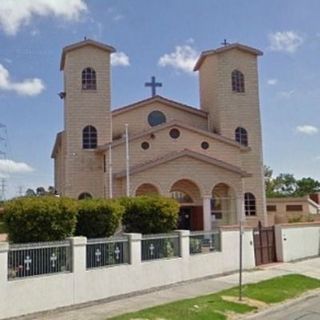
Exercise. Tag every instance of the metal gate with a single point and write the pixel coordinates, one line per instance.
(264, 245)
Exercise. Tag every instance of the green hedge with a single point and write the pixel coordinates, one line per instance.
(40, 219)
(150, 214)
(98, 218)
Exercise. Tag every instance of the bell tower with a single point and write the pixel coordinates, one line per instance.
(87, 115)
(229, 92)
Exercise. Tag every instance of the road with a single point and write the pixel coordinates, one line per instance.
(308, 309)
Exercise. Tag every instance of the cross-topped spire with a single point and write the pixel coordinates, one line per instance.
(153, 84)
(225, 43)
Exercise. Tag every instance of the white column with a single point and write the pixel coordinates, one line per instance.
(240, 208)
(206, 213)
(184, 239)
(134, 247)
(79, 253)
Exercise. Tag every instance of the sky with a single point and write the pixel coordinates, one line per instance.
(164, 39)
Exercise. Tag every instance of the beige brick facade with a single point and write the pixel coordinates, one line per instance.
(204, 162)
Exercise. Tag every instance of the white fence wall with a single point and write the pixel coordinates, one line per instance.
(297, 241)
(33, 294)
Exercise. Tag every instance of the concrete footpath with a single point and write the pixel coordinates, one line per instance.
(106, 309)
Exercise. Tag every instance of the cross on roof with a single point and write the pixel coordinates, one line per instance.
(153, 84)
(225, 43)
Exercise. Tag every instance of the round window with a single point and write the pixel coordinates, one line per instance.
(156, 117)
(205, 145)
(174, 133)
(145, 145)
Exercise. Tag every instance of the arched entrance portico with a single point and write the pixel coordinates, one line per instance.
(187, 193)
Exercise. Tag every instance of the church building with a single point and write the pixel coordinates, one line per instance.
(209, 158)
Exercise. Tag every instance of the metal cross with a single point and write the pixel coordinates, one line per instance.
(153, 84)
(27, 261)
(151, 248)
(53, 259)
(117, 252)
(225, 43)
(97, 254)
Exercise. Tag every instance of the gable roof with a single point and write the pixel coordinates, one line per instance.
(178, 154)
(163, 100)
(228, 47)
(86, 42)
(174, 123)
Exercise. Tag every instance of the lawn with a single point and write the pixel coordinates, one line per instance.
(214, 307)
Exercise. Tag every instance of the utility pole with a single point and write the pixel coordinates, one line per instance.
(20, 191)
(3, 189)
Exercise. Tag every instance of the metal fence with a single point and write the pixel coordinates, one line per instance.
(160, 246)
(107, 252)
(204, 242)
(33, 259)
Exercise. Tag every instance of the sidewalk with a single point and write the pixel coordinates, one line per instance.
(104, 310)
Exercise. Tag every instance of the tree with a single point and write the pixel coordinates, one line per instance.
(307, 186)
(30, 193)
(41, 191)
(286, 185)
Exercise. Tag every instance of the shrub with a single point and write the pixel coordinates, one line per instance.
(40, 219)
(150, 214)
(98, 217)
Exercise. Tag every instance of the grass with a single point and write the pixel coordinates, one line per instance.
(213, 307)
(277, 289)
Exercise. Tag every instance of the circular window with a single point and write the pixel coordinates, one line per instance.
(156, 117)
(174, 133)
(145, 145)
(205, 145)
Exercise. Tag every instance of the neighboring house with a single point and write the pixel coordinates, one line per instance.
(208, 158)
(283, 210)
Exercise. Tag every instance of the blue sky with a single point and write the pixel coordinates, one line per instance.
(161, 38)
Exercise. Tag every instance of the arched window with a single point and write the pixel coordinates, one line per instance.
(241, 136)
(216, 205)
(181, 197)
(89, 81)
(249, 204)
(89, 137)
(237, 79)
(84, 195)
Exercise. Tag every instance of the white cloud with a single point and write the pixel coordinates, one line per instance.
(118, 17)
(27, 87)
(287, 41)
(15, 14)
(9, 166)
(286, 94)
(120, 59)
(272, 82)
(317, 158)
(183, 58)
(307, 129)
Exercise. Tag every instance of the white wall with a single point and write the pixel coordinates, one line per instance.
(297, 241)
(41, 293)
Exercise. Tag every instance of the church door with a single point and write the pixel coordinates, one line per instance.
(184, 222)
